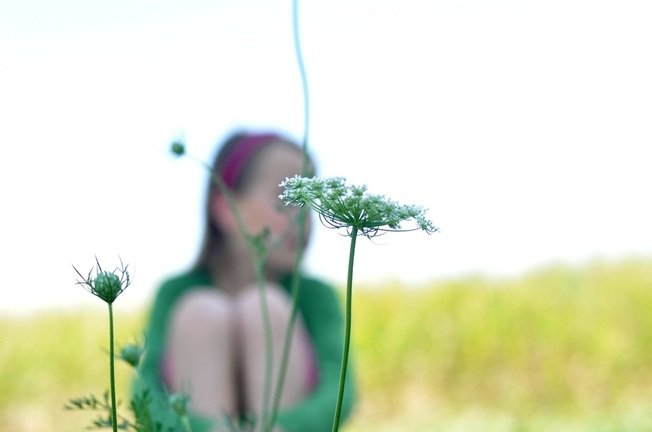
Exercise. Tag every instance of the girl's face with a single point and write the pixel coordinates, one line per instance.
(261, 207)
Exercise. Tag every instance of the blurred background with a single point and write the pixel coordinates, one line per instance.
(523, 126)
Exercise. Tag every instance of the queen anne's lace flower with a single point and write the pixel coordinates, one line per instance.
(343, 206)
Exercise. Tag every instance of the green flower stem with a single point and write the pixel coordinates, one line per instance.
(304, 80)
(295, 286)
(264, 307)
(258, 261)
(295, 290)
(114, 411)
(301, 222)
(287, 342)
(185, 422)
(347, 331)
(259, 258)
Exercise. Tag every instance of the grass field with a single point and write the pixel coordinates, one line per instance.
(557, 349)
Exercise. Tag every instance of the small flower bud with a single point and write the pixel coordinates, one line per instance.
(178, 148)
(108, 286)
(105, 285)
(131, 354)
(179, 404)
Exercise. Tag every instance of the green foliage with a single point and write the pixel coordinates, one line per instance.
(140, 407)
(103, 407)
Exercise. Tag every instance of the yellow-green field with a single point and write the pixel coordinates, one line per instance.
(558, 349)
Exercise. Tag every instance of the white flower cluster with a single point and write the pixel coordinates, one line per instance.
(343, 206)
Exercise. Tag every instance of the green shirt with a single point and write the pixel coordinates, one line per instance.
(321, 312)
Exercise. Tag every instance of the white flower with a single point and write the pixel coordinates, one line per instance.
(342, 206)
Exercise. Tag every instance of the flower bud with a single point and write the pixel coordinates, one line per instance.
(108, 286)
(179, 404)
(105, 285)
(178, 148)
(131, 353)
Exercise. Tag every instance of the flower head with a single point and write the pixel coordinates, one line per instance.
(179, 403)
(344, 206)
(131, 353)
(178, 148)
(105, 284)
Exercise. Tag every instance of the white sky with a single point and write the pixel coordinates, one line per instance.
(524, 126)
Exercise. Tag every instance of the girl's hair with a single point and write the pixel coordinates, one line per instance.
(236, 162)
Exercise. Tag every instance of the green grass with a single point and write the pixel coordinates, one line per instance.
(558, 349)
(47, 359)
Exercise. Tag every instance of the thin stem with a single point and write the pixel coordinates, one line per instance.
(185, 422)
(304, 80)
(287, 342)
(264, 307)
(347, 331)
(258, 263)
(114, 411)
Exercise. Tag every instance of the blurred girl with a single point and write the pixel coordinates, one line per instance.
(205, 336)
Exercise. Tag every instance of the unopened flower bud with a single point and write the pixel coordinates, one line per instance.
(178, 148)
(131, 353)
(107, 286)
(179, 403)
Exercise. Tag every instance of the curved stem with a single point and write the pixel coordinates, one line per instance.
(347, 332)
(264, 307)
(304, 80)
(258, 262)
(301, 222)
(287, 341)
(114, 411)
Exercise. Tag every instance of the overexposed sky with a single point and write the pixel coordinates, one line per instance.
(524, 126)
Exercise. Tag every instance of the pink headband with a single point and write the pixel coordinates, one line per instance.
(240, 154)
